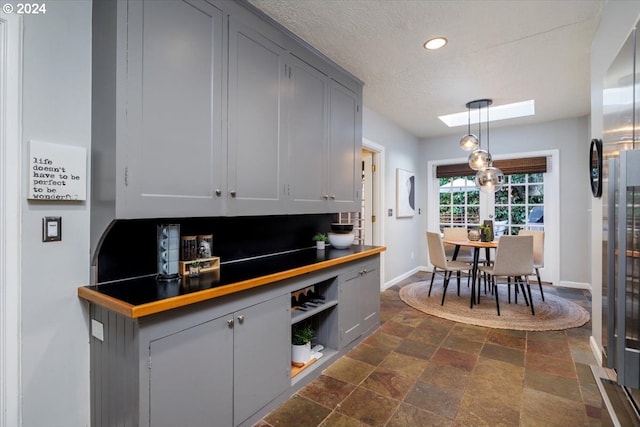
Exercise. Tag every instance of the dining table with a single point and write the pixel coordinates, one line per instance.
(476, 245)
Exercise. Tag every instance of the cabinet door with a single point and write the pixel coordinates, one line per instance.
(308, 138)
(345, 145)
(191, 377)
(173, 141)
(370, 285)
(262, 356)
(256, 141)
(349, 309)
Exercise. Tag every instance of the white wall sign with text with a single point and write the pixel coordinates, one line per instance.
(57, 172)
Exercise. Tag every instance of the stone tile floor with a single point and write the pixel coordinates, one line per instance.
(420, 370)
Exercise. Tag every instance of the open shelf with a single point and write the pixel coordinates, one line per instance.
(327, 356)
(298, 315)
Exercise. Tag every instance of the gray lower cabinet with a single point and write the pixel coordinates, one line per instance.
(190, 370)
(191, 376)
(225, 361)
(220, 372)
(359, 308)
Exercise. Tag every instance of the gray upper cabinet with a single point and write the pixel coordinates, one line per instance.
(345, 145)
(308, 138)
(325, 125)
(204, 108)
(173, 131)
(257, 157)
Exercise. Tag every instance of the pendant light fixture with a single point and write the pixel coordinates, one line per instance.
(488, 178)
(469, 142)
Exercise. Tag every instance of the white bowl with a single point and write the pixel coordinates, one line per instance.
(341, 240)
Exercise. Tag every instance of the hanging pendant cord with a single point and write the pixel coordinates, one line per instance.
(479, 128)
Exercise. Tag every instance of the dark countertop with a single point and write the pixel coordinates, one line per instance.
(143, 296)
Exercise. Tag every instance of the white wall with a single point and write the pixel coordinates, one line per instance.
(57, 109)
(568, 136)
(616, 23)
(402, 235)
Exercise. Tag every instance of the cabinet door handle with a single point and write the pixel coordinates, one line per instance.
(230, 323)
(233, 193)
(218, 192)
(241, 319)
(326, 196)
(333, 197)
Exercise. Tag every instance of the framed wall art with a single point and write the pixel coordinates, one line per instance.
(405, 193)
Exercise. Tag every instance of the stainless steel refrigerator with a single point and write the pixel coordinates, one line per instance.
(620, 166)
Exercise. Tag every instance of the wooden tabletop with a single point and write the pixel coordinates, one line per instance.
(134, 311)
(472, 243)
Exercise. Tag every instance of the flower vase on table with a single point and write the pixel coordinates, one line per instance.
(474, 235)
(486, 233)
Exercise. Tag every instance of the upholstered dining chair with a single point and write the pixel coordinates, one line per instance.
(439, 261)
(457, 233)
(514, 258)
(538, 253)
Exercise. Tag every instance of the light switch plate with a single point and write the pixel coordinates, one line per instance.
(51, 229)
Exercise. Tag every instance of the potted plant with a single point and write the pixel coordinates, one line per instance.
(321, 240)
(486, 232)
(301, 336)
(194, 269)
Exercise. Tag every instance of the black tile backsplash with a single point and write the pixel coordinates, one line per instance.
(129, 246)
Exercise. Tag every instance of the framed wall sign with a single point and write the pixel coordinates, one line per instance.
(595, 167)
(405, 193)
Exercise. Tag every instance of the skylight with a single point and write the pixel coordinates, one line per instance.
(500, 112)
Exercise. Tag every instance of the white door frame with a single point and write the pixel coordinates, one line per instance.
(378, 198)
(10, 217)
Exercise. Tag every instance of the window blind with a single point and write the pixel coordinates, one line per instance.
(508, 167)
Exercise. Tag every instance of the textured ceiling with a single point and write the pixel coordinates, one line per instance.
(508, 51)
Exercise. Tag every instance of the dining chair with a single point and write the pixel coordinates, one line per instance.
(439, 260)
(514, 258)
(538, 253)
(457, 233)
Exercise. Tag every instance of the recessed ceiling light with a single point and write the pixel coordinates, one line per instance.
(500, 112)
(435, 43)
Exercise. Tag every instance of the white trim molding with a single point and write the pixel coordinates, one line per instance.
(378, 185)
(10, 217)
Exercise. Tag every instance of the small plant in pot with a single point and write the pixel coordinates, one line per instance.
(301, 336)
(486, 232)
(194, 269)
(321, 240)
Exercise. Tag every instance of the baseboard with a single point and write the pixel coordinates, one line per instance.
(595, 349)
(575, 285)
(403, 276)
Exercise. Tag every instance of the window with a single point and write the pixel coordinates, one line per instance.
(459, 202)
(519, 204)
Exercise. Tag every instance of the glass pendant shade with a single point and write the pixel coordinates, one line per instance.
(469, 142)
(479, 159)
(489, 179)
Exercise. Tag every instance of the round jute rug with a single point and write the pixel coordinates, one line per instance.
(554, 313)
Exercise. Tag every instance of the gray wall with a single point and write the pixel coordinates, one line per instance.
(56, 108)
(617, 21)
(567, 136)
(402, 236)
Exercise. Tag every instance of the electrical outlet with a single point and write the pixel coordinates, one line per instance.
(390, 212)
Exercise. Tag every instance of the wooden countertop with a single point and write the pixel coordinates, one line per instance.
(99, 294)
